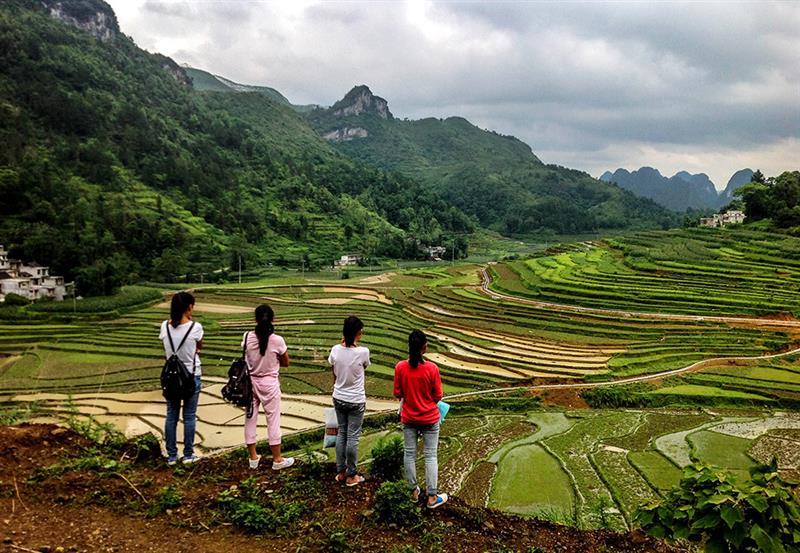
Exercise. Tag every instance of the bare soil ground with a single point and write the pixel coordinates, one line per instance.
(110, 509)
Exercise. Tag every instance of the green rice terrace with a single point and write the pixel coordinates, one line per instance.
(684, 343)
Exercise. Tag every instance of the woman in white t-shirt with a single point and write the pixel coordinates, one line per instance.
(265, 354)
(349, 362)
(172, 333)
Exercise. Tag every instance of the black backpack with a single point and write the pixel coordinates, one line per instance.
(176, 380)
(239, 389)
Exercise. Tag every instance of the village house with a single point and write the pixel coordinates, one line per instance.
(435, 253)
(29, 280)
(349, 259)
(721, 219)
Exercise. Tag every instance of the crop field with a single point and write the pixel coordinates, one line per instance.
(707, 317)
(691, 271)
(594, 468)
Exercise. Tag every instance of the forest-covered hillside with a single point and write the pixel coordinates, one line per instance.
(114, 169)
(494, 177)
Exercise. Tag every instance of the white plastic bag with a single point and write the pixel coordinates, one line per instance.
(331, 428)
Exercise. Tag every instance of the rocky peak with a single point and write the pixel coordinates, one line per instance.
(93, 16)
(361, 100)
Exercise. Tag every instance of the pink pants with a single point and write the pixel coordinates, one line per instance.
(266, 393)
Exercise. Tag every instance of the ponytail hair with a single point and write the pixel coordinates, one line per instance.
(180, 303)
(416, 341)
(352, 325)
(264, 328)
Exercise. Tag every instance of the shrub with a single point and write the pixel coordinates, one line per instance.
(709, 508)
(167, 498)
(246, 507)
(387, 458)
(15, 300)
(393, 504)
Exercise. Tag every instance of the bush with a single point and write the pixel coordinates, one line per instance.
(15, 300)
(709, 508)
(167, 498)
(246, 507)
(393, 504)
(387, 459)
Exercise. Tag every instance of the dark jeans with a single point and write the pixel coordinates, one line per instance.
(349, 416)
(189, 422)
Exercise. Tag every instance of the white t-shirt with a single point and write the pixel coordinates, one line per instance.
(187, 353)
(349, 365)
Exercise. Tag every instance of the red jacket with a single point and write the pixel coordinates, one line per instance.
(420, 388)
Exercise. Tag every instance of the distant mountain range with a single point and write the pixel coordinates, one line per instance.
(681, 191)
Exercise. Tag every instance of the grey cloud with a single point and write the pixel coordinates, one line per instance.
(592, 78)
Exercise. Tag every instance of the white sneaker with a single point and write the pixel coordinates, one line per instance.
(190, 460)
(286, 463)
(254, 462)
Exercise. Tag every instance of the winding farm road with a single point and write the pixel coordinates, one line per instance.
(486, 281)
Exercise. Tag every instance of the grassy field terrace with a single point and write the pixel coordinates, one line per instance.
(691, 271)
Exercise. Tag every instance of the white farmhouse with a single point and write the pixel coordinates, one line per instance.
(349, 259)
(721, 219)
(30, 280)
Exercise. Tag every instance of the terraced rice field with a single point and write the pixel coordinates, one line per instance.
(595, 468)
(593, 313)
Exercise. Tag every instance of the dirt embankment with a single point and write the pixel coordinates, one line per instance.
(74, 507)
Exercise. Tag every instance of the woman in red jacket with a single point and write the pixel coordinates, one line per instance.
(418, 384)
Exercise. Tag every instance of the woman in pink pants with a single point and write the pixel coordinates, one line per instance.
(265, 354)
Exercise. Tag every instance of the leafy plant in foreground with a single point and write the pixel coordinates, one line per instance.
(387, 459)
(724, 516)
(256, 512)
(393, 504)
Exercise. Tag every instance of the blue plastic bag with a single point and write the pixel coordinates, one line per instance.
(444, 408)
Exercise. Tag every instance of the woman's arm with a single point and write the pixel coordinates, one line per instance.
(283, 359)
(436, 390)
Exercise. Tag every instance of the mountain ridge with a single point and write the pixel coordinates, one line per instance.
(681, 191)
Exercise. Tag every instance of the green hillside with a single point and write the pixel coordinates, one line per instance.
(494, 177)
(91, 124)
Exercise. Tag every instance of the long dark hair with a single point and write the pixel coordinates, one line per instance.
(416, 341)
(180, 303)
(350, 328)
(264, 328)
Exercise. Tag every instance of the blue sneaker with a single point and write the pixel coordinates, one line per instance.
(172, 460)
(190, 460)
(441, 499)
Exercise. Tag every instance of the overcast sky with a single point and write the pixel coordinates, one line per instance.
(707, 87)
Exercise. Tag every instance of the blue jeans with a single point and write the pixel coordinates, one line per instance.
(430, 441)
(349, 416)
(189, 422)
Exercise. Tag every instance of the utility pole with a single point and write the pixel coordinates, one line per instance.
(453, 251)
(303, 267)
(240, 268)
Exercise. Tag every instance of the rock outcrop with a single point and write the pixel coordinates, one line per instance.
(94, 17)
(345, 133)
(361, 100)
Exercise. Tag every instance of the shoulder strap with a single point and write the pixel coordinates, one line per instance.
(244, 353)
(171, 343)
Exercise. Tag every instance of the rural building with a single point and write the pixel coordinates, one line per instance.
(435, 253)
(349, 259)
(30, 280)
(722, 219)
